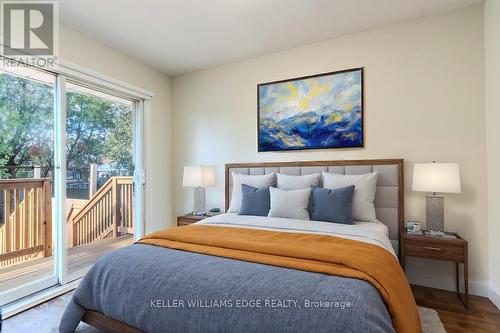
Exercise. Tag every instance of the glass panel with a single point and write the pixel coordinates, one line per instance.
(99, 161)
(26, 173)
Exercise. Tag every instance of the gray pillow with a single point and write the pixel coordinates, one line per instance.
(255, 201)
(332, 205)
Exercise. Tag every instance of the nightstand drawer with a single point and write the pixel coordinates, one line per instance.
(184, 222)
(189, 219)
(441, 250)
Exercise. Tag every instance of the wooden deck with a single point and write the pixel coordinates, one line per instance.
(78, 257)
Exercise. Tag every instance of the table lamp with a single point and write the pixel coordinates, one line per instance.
(436, 178)
(199, 177)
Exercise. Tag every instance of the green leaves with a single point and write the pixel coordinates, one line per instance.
(98, 131)
(26, 118)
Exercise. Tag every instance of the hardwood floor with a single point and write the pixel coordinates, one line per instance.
(482, 315)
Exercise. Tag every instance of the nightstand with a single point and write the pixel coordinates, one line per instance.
(440, 248)
(189, 219)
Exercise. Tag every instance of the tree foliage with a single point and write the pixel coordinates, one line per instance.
(26, 118)
(98, 131)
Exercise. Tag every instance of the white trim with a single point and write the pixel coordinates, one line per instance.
(87, 75)
(494, 295)
(147, 158)
(61, 227)
(139, 172)
(38, 298)
(27, 289)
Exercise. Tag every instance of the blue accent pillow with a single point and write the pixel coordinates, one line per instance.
(332, 205)
(255, 201)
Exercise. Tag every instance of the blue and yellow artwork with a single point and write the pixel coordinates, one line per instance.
(321, 111)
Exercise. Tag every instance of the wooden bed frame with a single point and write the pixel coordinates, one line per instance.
(109, 325)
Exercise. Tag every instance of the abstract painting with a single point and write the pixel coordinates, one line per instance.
(313, 112)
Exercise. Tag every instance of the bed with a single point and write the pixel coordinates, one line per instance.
(204, 278)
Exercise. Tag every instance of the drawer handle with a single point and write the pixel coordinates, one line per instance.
(432, 248)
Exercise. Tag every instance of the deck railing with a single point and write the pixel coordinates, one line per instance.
(108, 213)
(27, 214)
(27, 229)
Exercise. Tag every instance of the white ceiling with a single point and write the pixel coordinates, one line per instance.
(179, 36)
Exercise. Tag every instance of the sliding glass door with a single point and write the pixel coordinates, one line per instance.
(70, 177)
(26, 175)
(99, 175)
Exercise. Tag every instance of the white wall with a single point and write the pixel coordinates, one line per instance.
(424, 84)
(492, 79)
(86, 52)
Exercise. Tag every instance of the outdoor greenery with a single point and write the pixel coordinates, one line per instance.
(98, 131)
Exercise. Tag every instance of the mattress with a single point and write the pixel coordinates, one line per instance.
(369, 232)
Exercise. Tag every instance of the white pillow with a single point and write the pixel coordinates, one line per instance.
(286, 182)
(251, 180)
(363, 208)
(289, 204)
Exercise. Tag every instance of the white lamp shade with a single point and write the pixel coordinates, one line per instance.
(436, 177)
(194, 176)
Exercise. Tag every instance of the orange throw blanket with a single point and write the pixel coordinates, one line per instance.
(308, 252)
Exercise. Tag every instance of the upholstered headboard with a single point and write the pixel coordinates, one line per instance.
(389, 199)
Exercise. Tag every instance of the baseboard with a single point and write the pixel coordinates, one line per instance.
(494, 295)
(476, 287)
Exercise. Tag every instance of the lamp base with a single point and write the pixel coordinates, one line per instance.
(199, 201)
(435, 213)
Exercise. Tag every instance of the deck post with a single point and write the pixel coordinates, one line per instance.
(8, 226)
(70, 227)
(17, 225)
(26, 217)
(116, 207)
(37, 172)
(47, 204)
(92, 180)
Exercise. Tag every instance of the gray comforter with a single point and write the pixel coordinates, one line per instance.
(157, 289)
